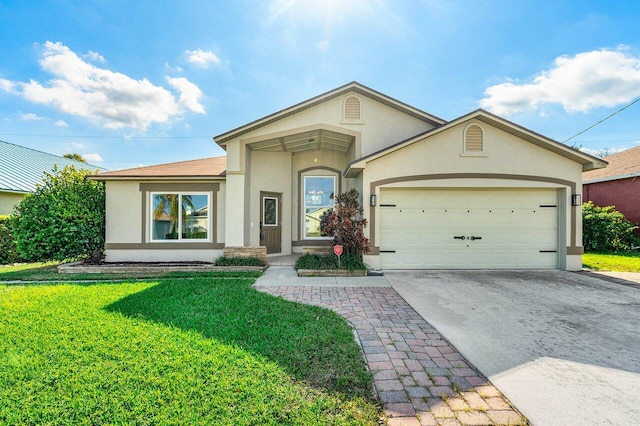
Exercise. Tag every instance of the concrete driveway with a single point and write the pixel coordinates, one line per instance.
(563, 347)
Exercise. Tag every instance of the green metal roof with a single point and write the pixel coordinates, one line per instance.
(21, 168)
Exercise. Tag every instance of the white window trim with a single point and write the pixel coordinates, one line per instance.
(264, 222)
(304, 204)
(179, 239)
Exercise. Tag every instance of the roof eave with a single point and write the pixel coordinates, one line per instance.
(588, 162)
(223, 138)
(163, 178)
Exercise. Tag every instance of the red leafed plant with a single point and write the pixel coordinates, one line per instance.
(346, 225)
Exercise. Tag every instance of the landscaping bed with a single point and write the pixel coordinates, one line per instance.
(82, 267)
(314, 265)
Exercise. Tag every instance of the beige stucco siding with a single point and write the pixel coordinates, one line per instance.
(124, 212)
(8, 200)
(507, 162)
(381, 126)
(128, 221)
(442, 153)
(270, 172)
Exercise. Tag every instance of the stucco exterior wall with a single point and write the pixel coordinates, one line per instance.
(504, 154)
(624, 194)
(127, 224)
(124, 212)
(8, 200)
(270, 172)
(381, 125)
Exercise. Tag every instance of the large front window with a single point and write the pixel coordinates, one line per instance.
(180, 216)
(318, 198)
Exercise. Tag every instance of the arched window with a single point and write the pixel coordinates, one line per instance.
(473, 139)
(352, 109)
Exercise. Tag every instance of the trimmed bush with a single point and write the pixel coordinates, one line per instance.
(63, 220)
(348, 261)
(604, 229)
(8, 252)
(238, 261)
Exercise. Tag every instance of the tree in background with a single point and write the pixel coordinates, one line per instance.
(346, 225)
(64, 219)
(76, 157)
(606, 229)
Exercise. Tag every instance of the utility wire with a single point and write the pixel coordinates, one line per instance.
(106, 137)
(602, 121)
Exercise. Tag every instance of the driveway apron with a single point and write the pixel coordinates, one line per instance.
(419, 377)
(563, 347)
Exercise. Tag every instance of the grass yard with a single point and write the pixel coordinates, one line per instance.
(619, 262)
(175, 351)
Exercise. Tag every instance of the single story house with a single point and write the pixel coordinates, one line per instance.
(22, 168)
(618, 185)
(475, 192)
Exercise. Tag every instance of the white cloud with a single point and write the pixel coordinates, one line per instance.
(31, 117)
(190, 94)
(600, 78)
(61, 123)
(74, 146)
(94, 56)
(202, 58)
(93, 157)
(113, 99)
(7, 85)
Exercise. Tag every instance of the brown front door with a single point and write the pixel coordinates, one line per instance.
(270, 221)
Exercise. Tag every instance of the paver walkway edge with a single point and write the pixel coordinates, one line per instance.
(419, 377)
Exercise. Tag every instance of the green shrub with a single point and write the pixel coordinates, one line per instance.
(604, 229)
(349, 261)
(238, 261)
(8, 252)
(63, 219)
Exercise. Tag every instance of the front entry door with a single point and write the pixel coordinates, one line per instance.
(271, 221)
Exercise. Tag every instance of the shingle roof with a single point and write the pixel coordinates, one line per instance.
(622, 165)
(21, 168)
(204, 167)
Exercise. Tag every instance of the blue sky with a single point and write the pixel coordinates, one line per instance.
(130, 83)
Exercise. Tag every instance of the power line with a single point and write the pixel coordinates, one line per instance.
(105, 137)
(601, 121)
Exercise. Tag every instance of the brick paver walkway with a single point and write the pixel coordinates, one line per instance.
(419, 377)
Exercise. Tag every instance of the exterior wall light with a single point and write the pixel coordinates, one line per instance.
(576, 199)
(372, 200)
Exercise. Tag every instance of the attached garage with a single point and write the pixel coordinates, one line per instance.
(468, 229)
(478, 192)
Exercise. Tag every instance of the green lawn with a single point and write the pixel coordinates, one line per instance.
(619, 262)
(175, 351)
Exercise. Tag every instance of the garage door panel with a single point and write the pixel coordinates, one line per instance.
(512, 226)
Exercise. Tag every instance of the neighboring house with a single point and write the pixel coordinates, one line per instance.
(618, 185)
(21, 169)
(474, 192)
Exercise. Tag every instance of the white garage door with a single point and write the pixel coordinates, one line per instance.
(468, 229)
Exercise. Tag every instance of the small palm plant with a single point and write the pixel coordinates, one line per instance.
(169, 204)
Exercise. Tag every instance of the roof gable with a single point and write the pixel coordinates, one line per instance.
(622, 165)
(21, 168)
(588, 162)
(350, 87)
(212, 167)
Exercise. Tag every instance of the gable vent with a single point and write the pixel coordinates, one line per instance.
(352, 109)
(473, 139)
